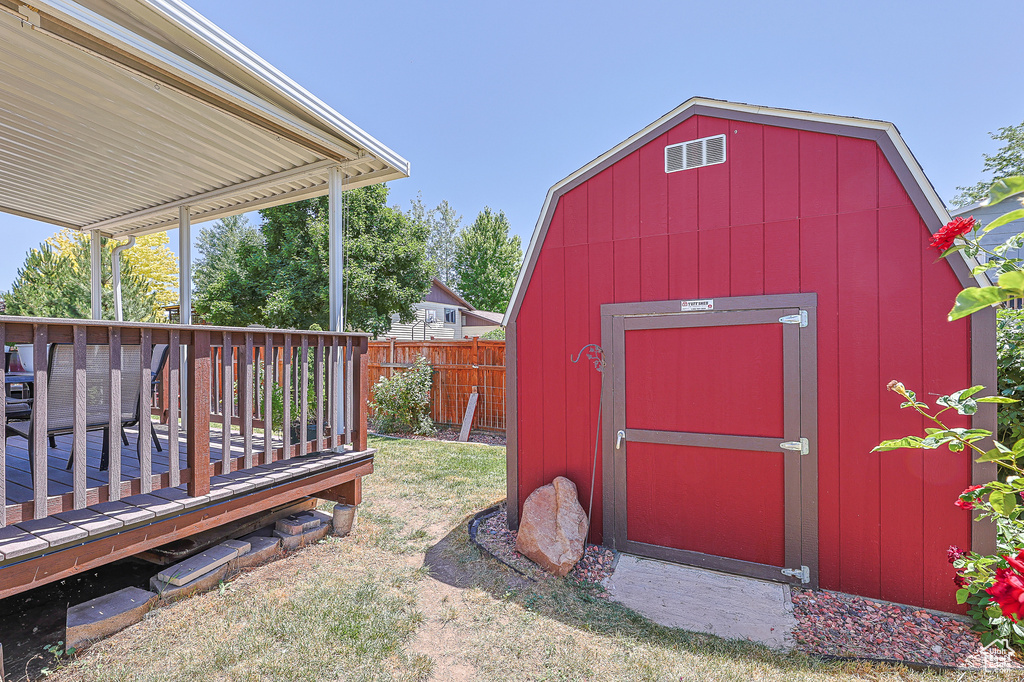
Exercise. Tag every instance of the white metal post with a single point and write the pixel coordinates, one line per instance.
(184, 298)
(335, 187)
(96, 274)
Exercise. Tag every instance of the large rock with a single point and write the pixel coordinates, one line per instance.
(553, 530)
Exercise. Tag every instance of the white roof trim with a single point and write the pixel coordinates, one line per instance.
(888, 128)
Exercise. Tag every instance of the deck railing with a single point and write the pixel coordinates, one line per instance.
(235, 376)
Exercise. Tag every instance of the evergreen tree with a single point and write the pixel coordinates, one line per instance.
(487, 261)
(55, 282)
(222, 292)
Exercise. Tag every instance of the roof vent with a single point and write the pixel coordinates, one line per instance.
(706, 151)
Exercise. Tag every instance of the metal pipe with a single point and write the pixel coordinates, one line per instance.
(96, 274)
(115, 264)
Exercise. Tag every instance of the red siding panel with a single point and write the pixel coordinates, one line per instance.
(859, 403)
(682, 265)
(712, 181)
(682, 185)
(858, 174)
(626, 197)
(627, 270)
(715, 264)
(654, 268)
(599, 207)
(890, 189)
(902, 471)
(818, 174)
(748, 257)
(578, 435)
(602, 290)
(782, 257)
(529, 347)
(781, 174)
(574, 219)
(553, 362)
(653, 188)
(745, 160)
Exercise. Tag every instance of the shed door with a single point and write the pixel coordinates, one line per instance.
(714, 439)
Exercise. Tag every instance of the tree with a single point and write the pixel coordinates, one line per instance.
(150, 259)
(444, 225)
(1007, 162)
(284, 268)
(54, 282)
(487, 261)
(222, 292)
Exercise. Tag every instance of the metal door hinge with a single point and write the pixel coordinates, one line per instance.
(802, 446)
(804, 573)
(800, 319)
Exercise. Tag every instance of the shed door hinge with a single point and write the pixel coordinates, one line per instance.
(802, 446)
(800, 319)
(804, 573)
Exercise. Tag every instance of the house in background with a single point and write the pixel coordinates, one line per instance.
(986, 214)
(443, 314)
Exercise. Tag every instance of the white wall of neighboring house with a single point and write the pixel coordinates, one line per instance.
(422, 328)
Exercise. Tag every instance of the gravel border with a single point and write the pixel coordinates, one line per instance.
(449, 435)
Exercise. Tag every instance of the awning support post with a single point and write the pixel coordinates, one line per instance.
(184, 297)
(335, 188)
(96, 274)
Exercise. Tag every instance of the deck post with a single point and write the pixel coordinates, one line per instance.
(96, 274)
(198, 426)
(336, 222)
(184, 296)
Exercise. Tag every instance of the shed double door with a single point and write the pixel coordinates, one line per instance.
(710, 453)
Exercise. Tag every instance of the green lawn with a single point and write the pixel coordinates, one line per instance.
(365, 607)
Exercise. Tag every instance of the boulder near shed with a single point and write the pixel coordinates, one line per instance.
(755, 278)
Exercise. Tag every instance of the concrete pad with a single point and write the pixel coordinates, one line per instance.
(15, 542)
(297, 523)
(169, 592)
(92, 522)
(106, 615)
(127, 514)
(699, 600)
(54, 531)
(197, 565)
(262, 549)
(291, 542)
(240, 546)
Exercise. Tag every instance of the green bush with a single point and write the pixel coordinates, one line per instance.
(1010, 354)
(495, 334)
(401, 403)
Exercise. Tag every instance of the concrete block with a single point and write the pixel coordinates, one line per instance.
(293, 542)
(262, 549)
(54, 531)
(103, 616)
(92, 522)
(127, 514)
(169, 592)
(198, 565)
(180, 495)
(240, 546)
(16, 542)
(297, 524)
(158, 505)
(344, 519)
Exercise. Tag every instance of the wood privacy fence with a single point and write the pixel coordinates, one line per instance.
(460, 368)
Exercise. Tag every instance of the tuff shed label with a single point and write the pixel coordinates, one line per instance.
(700, 304)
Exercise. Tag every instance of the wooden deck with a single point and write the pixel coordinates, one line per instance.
(19, 477)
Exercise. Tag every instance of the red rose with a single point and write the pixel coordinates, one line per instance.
(966, 500)
(944, 238)
(959, 580)
(1008, 589)
(954, 553)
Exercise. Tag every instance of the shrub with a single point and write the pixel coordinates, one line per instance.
(495, 334)
(401, 403)
(1010, 353)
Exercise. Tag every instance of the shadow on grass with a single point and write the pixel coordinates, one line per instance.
(456, 561)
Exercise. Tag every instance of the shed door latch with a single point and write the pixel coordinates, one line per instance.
(619, 437)
(802, 446)
(804, 573)
(800, 319)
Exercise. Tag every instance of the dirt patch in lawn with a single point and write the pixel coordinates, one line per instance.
(408, 596)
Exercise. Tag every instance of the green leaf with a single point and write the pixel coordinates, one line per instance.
(978, 269)
(993, 611)
(1018, 447)
(952, 250)
(961, 596)
(996, 399)
(1012, 281)
(1001, 502)
(967, 392)
(973, 299)
(914, 442)
(931, 431)
(1004, 189)
(1005, 218)
(956, 446)
(991, 456)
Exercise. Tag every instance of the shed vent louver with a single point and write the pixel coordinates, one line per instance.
(706, 151)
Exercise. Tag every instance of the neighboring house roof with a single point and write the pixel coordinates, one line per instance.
(896, 151)
(150, 107)
(440, 293)
(483, 318)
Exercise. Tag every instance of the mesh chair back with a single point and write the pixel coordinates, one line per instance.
(60, 386)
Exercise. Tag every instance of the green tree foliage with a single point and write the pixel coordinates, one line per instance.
(1010, 354)
(54, 282)
(222, 293)
(283, 268)
(1006, 162)
(443, 225)
(487, 261)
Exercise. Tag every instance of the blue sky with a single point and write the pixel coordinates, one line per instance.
(492, 103)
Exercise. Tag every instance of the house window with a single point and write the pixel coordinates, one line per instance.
(449, 315)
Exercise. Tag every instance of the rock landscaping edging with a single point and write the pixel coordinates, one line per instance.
(489, 530)
(837, 625)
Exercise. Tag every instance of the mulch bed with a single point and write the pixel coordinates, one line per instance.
(494, 536)
(450, 434)
(836, 624)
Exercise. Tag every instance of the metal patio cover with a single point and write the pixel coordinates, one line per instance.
(116, 113)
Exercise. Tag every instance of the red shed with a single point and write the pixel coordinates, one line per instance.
(755, 277)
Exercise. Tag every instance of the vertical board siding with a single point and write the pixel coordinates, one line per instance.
(790, 211)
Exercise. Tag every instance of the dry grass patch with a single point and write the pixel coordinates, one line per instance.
(408, 597)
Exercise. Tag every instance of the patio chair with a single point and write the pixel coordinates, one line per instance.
(159, 359)
(60, 397)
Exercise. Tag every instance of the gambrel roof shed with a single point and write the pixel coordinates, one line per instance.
(755, 277)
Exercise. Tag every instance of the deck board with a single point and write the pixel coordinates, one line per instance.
(60, 479)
